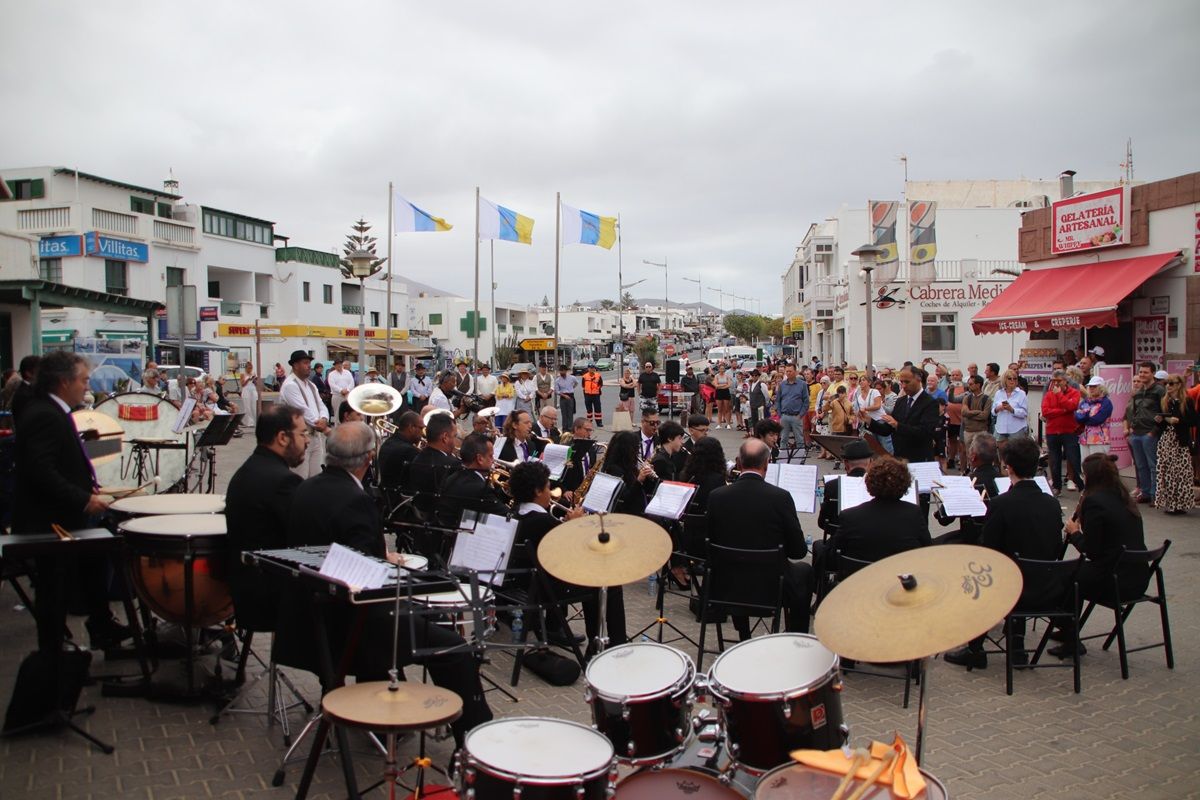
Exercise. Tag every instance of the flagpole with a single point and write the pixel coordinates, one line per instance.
(620, 296)
(492, 259)
(387, 364)
(557, 258)
(476, 273)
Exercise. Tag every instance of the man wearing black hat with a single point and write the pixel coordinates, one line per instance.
(857, 457)
(299, 392)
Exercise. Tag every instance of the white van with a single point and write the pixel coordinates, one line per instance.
(733, 354)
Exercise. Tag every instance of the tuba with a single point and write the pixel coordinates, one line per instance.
(376, 401)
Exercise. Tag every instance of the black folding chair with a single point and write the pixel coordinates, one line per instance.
(1150, 560)
(724, 569)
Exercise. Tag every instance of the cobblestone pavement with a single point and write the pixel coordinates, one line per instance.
(1117, 739)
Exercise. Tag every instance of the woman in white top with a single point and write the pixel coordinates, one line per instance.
(1009, 407)
(249, 395)
(867, 402)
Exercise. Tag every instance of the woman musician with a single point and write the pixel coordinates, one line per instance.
(623, 460)
(707, 469)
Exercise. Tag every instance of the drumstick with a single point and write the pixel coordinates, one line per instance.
(61, 532)
(874, 776)
(861, 757)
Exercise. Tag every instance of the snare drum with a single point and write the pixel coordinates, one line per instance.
(777, 694)
(456, 606)
(179, 568)
(641, 698)
(798, 782)
(158, 504)
(536, 758)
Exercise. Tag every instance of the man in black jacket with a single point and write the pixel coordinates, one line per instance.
(430, 468)
(399, 451)
(886, 524)
(469, 487)
(752, 514)
(333, 507)
(856, 457)
(257, 504)
(914, 418)
(1025, 521)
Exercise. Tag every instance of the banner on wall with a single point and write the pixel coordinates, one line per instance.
(1150, 339)
(1118, 380)
(883, 234)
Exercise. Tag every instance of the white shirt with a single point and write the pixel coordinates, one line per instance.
(340, 380)
(1014, 421)
(531, 508)
(485, 385)
(420, 387)
(526, 389)
(645, 445)
(303, 395)
(439, 400)
(859, 402)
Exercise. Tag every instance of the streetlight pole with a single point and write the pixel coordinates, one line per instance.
(361, 262)
(666, 302)
(866, 256)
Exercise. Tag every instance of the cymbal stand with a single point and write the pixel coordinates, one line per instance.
(661, 620)
(602, 596)
(924, 674)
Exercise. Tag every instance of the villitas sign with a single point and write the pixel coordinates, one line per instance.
(1091, 221)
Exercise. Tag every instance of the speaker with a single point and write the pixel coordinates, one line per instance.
(672, 370)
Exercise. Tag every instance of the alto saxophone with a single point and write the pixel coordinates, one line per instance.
(582, 490)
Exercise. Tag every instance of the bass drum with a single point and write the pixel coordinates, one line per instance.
(150, 419)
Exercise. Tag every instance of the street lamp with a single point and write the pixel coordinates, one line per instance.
(666, 302)
(360, 267)
(621, 312)
(866, 256)
(699, 290)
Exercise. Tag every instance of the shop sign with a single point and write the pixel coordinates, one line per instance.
(1160, 305)
(1196, 249)
(1091, 221)
(60, 246)
(537, 344)
(208, 313)
(116, 249)
(963, 295)
(1149, 339)
(841, 300)
(1037, 364)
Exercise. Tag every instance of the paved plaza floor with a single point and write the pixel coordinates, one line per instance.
(1118, 739)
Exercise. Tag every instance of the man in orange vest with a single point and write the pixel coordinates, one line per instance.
(593, 383)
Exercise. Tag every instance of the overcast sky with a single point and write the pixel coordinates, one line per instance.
(718, 131)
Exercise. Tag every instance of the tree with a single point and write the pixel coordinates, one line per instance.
(359, 240)
(545, 300)
(646, 348)
(607, 305)
(746, 327)
(772, 327)
(627, 301)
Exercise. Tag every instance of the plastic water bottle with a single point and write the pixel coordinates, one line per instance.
(652, 584)
(518, 625)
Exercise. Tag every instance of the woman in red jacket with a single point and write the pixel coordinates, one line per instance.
(1062, 437)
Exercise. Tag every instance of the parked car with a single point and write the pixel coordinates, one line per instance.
(672, 399)
(605, 364)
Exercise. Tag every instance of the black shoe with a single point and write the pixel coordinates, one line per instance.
(966, 657)
(1020, 659)
(107, 633)
(1066, 650)
(563, 639)
(1058, 635)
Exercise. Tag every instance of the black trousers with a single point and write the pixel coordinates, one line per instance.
(799, 580)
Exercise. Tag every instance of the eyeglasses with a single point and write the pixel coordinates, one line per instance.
(699, 428)
(653, 423)
(1174, 383)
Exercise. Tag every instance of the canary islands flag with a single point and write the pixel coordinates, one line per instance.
(584, 227)
(498, 222)
(410, 219)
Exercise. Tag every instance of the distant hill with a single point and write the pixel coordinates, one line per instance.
(705, 308)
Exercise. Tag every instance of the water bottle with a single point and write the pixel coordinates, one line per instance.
(518, 625)
(652, 584)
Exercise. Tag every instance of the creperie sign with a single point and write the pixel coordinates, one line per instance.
(1091, 221)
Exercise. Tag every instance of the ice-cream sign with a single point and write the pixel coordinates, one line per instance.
(1091, 221)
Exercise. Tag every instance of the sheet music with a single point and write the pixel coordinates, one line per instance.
(798, 480)
(670, 500)
(960, 501)
(852, 491)
(498, 446)
(185, 415)
(485, 548)
(556, 457)
(602, 493)
(956, 482)
(925, 473)
(353, 568)
(1003, 484)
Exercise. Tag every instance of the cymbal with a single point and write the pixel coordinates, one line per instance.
(961, 591)
(573, 552)
(104, 425)
(411, 707)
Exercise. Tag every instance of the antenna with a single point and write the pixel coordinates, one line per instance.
(1127, 164)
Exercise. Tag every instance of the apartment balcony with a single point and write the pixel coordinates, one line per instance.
(351, 309)
(44, 220)
(119, 224)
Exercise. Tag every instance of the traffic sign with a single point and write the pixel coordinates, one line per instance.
(669, 350)
(546, 343)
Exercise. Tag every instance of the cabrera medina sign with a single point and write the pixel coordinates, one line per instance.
(116, 249)
(1091, 221)
(967, 295)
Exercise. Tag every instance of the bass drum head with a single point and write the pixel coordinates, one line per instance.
(540, 748)
(798, 782)
(639, 669)
(772, 666)
(143, 416)
(653, 784)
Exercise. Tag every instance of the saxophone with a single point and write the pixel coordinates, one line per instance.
(582, 490)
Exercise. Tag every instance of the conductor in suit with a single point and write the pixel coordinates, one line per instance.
(257, 504)
(333, 507)
(886, 524)
(55, 483)
(754, 515)
(914, 418)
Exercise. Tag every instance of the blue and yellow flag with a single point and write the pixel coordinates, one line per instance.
(498, 222)
(584, 227)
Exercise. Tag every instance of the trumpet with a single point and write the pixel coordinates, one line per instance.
(560, 510)
(501, 474)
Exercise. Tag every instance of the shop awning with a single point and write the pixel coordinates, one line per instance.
(1060, 298)
(57, 337)
(173, 344)
(377, 347)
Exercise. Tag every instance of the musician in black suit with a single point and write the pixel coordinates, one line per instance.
(697, 429)
(530, 487)
(399, 451)
(914, 418)
(519, 441)
(752, 514)
(648, 436)
(707, 469)
(1023, 521)
(856, 457)
(984, 460)
(637, 478)
(470, 487)
(430, 467)
(333, 507)
(546, 426)
(670, 437)
(583, 454)
(886, 524)
(257, 504)
(54, 483)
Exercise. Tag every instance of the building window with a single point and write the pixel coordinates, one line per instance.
(50, 269)
(264, 311)
(175, 276)
(327, 294)
(140, 205)
(395, 320)
(939, 331)
(116, 277)
(374, 319)
(220, 223)
(214, 288)
(307, 291)
(28, 189)
(164, 211)
(435, 319)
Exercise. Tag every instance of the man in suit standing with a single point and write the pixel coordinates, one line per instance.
(257, 504)
(54, 483)
(333, 507)
(1026, 521)
(914, 418)
(754, 515)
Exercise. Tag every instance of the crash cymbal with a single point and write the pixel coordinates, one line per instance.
(957, 593)
(635, 547)
(411, 706)
(106, 428)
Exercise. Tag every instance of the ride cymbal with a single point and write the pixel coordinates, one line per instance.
(411, 706)
(575, 553)
(918, 603)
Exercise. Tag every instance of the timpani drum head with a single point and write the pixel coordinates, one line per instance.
(539, 747)
(181, 525)
(775, 665)
(155, 504)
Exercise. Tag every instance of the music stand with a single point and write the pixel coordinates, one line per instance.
(219, 433)
(835, 444)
